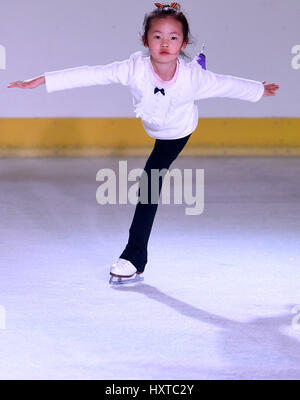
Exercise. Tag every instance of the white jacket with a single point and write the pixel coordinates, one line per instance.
(170, 116)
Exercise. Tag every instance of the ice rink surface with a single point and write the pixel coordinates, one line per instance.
(219, 292)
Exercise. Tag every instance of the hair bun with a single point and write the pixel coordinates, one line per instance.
(175, 6)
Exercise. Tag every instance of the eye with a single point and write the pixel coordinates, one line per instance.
(174, 37)
(156, 36)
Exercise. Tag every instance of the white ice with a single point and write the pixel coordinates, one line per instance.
(219, 288)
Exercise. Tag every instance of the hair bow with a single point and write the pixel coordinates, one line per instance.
(172, 5)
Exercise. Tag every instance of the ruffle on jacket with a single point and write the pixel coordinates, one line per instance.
(155, 108)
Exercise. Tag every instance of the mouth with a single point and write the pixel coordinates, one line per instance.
(164, 52)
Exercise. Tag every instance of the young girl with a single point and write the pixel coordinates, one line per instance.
(164, 89)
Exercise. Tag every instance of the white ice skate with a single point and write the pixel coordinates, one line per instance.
(123, 272)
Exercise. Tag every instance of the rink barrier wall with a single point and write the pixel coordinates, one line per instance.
(27, 137)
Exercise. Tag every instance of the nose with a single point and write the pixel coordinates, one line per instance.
(164, 43)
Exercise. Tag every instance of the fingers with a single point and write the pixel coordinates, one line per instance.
(271, 85)
(22, 84)
(16, 84)
(271, 93)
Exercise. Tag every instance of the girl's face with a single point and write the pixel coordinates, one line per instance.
(165, 39)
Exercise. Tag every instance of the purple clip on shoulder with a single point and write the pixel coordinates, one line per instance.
(201, 58)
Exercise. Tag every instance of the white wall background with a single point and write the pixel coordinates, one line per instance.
(250, 39)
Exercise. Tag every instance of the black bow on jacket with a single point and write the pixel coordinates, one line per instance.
(159, 90)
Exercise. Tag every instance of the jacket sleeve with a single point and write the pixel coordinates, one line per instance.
(208, 84)
(116, 72)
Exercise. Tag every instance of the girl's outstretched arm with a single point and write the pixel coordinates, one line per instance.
(208, 84)
(270, 89)
(117, 72)
(29, 84)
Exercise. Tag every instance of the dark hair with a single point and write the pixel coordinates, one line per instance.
(161, 12)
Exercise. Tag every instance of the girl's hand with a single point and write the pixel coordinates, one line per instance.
(270, 89)
(29, 84)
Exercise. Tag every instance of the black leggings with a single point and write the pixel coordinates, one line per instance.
(163, 154)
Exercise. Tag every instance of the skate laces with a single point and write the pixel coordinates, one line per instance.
(122, 262)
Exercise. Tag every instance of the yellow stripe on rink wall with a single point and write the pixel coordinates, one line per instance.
(126, 136)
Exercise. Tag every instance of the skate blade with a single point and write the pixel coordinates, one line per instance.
(116, 280)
